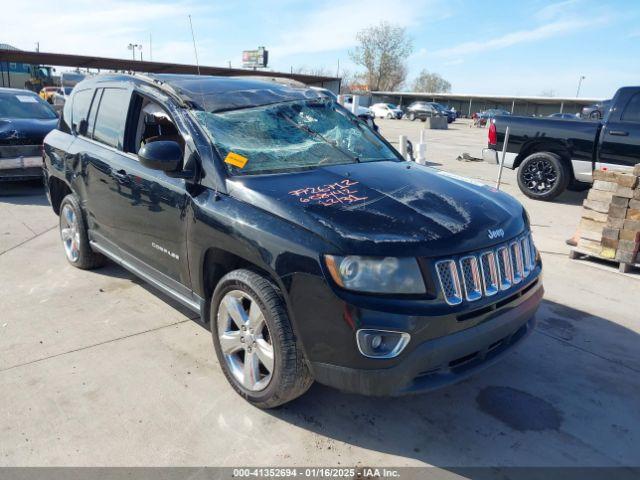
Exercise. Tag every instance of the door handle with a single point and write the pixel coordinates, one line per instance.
(120, 174)
(618, 133)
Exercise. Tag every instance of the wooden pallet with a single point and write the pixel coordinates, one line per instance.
(577, 253)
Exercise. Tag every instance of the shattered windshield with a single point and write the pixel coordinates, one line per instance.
(291, 136)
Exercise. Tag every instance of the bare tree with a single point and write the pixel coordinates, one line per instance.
(431, 83)
(382, 51)
(317, 71)
(349, 80)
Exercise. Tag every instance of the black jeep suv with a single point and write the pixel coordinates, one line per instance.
(310, 247)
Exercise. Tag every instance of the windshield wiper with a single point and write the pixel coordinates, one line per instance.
(313, 133)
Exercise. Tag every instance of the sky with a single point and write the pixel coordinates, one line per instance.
(483, 47)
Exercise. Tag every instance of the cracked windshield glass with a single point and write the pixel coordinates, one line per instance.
(291, 136)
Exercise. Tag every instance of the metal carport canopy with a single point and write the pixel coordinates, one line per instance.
(496, 98)
(84, 61)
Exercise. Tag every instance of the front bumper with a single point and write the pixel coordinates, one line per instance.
(441, 361)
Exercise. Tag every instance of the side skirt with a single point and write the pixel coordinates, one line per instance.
(148, 274)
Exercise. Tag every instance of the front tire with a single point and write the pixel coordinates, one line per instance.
(543, 176)
(75, 240)
(411, 116)
(254, 341)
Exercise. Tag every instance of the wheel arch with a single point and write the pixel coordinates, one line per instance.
(217, 262)
(538, 146)
(58, 189)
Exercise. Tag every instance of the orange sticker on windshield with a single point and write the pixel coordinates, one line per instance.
(236, 160)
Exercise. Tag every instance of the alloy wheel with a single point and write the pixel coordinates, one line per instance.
(70, 233)
(245, 340)
(539, 176)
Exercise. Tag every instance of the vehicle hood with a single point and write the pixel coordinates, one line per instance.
(20, 131)
(386, 208)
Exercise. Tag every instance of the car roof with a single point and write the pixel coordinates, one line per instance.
(215, 93)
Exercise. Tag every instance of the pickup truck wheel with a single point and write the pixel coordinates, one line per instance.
(543, 176)
(75, 240)
(254, 340)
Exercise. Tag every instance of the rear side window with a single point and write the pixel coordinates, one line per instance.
(632, 110)
(111, 119)
(80, 107)
(65, 116)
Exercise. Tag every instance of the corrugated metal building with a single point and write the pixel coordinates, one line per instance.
(468, 104)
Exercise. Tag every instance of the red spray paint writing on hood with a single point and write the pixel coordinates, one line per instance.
(341, 192)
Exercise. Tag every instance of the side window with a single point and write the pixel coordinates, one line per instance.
(632, 110)
(91, 121)
(153, 124)
(80, 107)
(111, 118)
(65, 116)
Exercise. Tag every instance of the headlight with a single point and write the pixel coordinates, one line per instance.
(376, 274)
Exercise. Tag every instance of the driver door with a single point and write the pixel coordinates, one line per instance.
(156, 220)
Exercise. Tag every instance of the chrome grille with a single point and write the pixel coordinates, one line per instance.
(527, 259)
(487, 272)
(471, 277)
(449, 281)
(517, 267)
(505, 273)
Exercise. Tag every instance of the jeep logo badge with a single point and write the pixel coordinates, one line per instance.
(498, 233)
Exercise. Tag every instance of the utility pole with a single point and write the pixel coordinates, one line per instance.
(582, 77)
(150, 49)
(37, 46)
(132, 47)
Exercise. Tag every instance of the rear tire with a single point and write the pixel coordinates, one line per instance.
(75, 240)
(277, 373)
(543, 176)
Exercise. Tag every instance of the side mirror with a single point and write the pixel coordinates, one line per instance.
(161, 155)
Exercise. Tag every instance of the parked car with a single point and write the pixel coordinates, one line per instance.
(25, 119)
(564, 116)
(597, 110)
(423, 110)
(60, 97)
(304, 241)
(451, 114)
(46, 93)
(553, 155)
(493, 113)
(347, 101)
(386, 110)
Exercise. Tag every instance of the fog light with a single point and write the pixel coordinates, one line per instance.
(381, 343)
